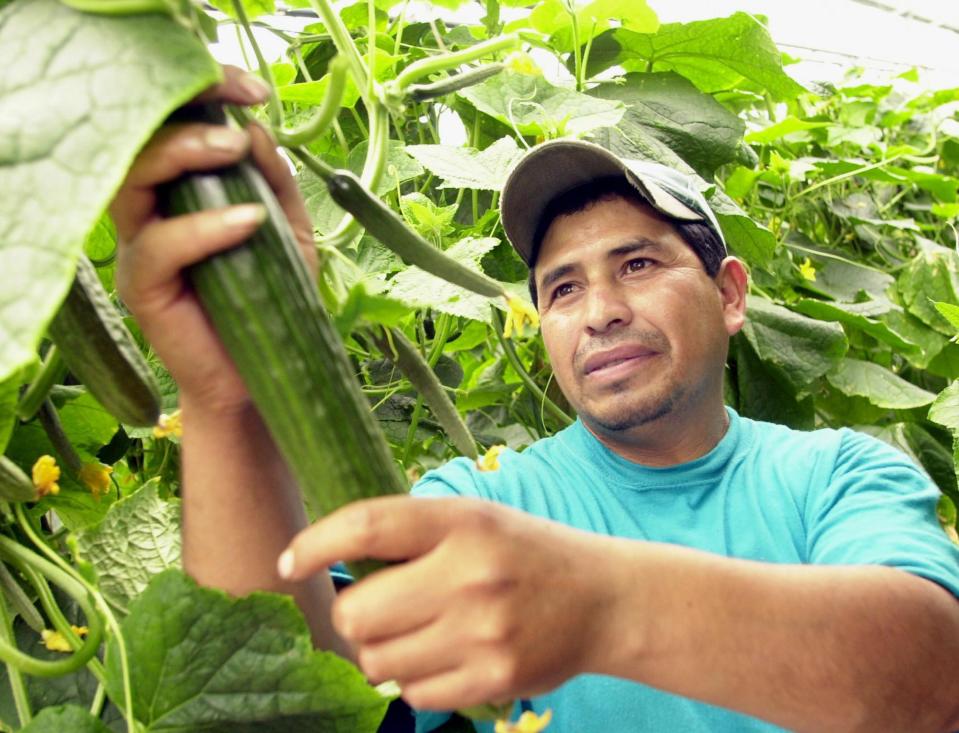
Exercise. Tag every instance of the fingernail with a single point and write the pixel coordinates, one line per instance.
(254, 88)
(284, 564)
(225, 139)
(245, 215)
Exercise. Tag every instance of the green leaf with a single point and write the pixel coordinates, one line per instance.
(71, 718)
(426, 217)
(744, 235)
(138, 538)
(945, 410)
(715, 55)
(203, 661)
(312, 93)
(460, 167)
(801, 349)
(552, 18)
(932, 275)
(66, 144)
(878, 385)
(850, 315)
(418, 288)
(765, 395)
(692, 124)
(533, 106)
(253, 8)
(778, 130)
(950, 312)
(9, 395)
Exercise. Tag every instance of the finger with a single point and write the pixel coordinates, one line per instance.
(394, 601)
(426, 652)
(173, 151)
(148, 269)
(238, 87)
(461, 687)
(386, 528)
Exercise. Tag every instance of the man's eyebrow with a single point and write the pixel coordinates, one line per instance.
(622, 250)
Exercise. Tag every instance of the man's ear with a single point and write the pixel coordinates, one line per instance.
(732, 282)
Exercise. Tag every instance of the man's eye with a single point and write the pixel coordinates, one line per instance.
(640, 263)
(564, 289)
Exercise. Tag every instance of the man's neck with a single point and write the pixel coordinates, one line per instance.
(668, 441)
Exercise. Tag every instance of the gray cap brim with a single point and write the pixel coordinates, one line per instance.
(555, 167)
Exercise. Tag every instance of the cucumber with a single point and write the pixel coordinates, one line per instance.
(436, 89)
(100, 352)
(15, 485)
(265, 307)
(119, 7)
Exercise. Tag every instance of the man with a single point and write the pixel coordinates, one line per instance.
(661, 565)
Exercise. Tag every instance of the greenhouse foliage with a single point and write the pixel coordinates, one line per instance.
(842, 199)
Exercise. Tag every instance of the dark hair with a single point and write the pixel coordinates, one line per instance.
(700, 237)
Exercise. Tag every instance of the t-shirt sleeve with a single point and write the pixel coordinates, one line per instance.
(879, 508)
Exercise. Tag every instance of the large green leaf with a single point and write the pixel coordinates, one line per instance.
(532, 106)
(203, 661)
(553, 18)
(932, 275)
(138, 538)
(878, 385)
(79, 95)
(9, 394)
(65, 718)
(460, 167)
(745, 237)
(765, 395)
(694, 125)
(418, 288)
(715, 55)
(945, 410)
(801, 349)
(850, 315)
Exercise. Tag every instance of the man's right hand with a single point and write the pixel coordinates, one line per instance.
(153, 251)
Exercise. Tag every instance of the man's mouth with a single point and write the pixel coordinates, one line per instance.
(608, 360)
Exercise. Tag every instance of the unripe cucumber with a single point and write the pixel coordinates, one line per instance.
(15, 485)
(100, 352)
(119, 7)
(265, 307)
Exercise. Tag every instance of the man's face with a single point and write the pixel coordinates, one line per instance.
(634, 326)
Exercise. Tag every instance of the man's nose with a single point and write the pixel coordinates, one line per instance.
(606, 308)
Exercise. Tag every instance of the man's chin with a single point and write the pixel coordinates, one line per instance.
(627, 415)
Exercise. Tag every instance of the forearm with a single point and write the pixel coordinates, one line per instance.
(811, 648)
(241, 508)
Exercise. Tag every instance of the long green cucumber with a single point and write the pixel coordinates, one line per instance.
(100, 352)
(15, 485)
(265, 307)
(437, 89)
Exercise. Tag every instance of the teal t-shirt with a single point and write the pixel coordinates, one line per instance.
(765, 492)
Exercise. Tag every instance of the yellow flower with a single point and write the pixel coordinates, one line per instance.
(169, 425)
(529, 722)
(807, 270)
(46, 473)
(97, 478)
(56, 642)
(520, 315)
(521, 62)
(490, 461)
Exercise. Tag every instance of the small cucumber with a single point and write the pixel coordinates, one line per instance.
(100, 352)
(15, 485)
(119, 7)
(436, 89)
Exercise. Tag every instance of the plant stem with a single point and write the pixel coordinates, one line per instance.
(52, 372)
(52, 426)
(21, 699)
(275, 108)
(21, 604)
(425, 67)
(324, 115)
(524, 376)
(343, 41)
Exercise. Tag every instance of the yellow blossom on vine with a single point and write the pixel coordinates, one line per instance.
(521, 62)
(520, 315)
(490, 461)
(529, 722)
(57, 642)
(46, 473)
(97, 478)
(807, 270)
(169, 426)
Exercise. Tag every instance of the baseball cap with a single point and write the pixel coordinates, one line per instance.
(557, 166)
